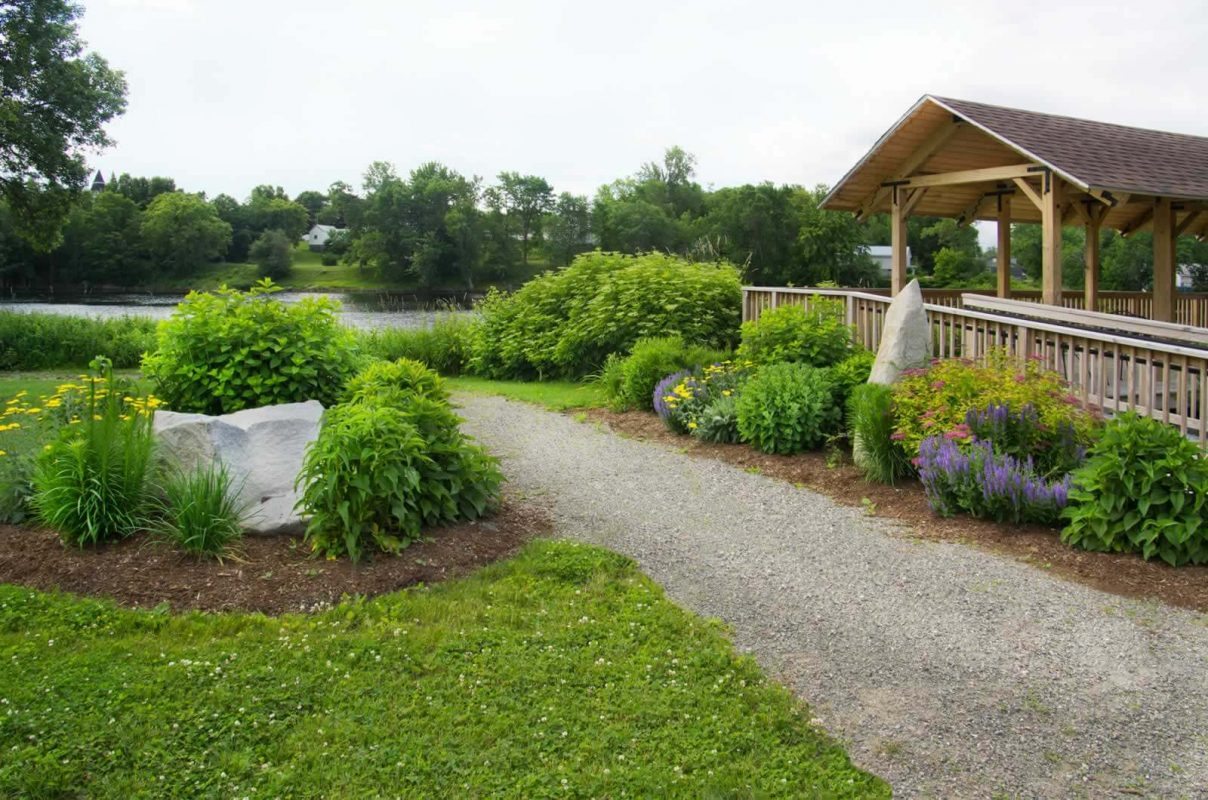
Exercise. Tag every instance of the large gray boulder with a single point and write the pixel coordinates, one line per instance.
(905, 337)
(262, 449)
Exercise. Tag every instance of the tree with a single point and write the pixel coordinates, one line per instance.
(830, 245)
(753, 226)
(567, 229)
(102, 242)
(273, 253)
(243, 232)
(182, 232)
(314, 202)
(141, 190)
(525, 198)
(958, 268)
(279, 214)
(54, 101)
(343, 207)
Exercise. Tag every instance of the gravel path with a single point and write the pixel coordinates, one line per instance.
(947, 670)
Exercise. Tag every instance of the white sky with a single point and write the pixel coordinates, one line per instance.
(226, 95)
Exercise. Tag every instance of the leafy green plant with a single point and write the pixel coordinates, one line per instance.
(48, 341)
(200, 510)
(718, 421)
(229, 350)
(817, 336)
(566, 323)
(378, 473)
(787, 408)
(445, 346)
(91, 483)
(404, 375)
(629, 382)
(849, 373)
(1144, 490)
(870, 428)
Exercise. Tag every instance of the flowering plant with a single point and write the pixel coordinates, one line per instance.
(682, 398)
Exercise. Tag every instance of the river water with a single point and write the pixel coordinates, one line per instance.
(366, 311)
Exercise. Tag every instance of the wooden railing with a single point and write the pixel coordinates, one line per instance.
(1111, 373)
(1190, 308)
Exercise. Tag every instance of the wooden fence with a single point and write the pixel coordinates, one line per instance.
(1113, 373)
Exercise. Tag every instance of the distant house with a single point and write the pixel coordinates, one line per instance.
(882, 254)
(1182, 277)
(316, 238)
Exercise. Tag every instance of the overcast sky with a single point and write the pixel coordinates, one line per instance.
(226, 95)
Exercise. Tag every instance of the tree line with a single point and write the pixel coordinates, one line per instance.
(435, 227)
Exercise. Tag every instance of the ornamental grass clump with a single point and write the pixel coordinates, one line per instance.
(1143, 490)
(787, 408)
(875, 448)
(200, 510)
(980, 482)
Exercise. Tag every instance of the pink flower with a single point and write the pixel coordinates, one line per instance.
(898, 436)
(937, 385)
(961, 431)
(1021, 378)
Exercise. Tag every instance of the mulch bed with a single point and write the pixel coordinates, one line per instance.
(270, 574)
(1126, 575)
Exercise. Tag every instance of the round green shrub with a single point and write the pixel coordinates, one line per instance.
(378, 474)
(817, 336)
(850, 373)
(870, 428)
(787, 408)
(629, 382)
(404, 375)
(228, 350)
(565, 324)
(1144, 490)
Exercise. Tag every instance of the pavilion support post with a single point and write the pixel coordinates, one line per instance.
(897, 237)
(1091, 264)
(1004, 246)
(1163, 260)
(1050, 255)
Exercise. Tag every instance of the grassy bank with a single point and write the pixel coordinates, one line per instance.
(554, 395)
(560, 673)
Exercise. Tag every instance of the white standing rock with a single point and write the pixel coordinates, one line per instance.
(262, 449)
(905, 337)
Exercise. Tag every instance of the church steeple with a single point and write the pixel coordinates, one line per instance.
(98, 183)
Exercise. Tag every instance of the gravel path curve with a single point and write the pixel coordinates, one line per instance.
(948, 670)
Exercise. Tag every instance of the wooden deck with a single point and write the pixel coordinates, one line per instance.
(1110, 371)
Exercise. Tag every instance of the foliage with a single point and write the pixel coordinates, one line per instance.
(870, 422)
(43, 341)
(182, 232)
(629, 382)
(200, 510)
(503, 650)
(831, 244)
(683, 397)
(383, 379)
(273, 254)
(850, 373)
(57, 98)
(1144, 490)
(955, 267)
(787, 408)
(567, 229)
(566, 323)
(936, 400)
(384, 468)
(718, 420)
(91, 482)
(1020, 434)
(229, 350)
(554, 395)
(524, 198)
(817, 336)
(444, 346)
(977, 480)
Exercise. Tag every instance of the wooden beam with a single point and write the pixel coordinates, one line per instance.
(1030, 193)
(897, 236)
(1163, 260)
(1003, 256)
(1050, 249)
(969, 214)
(919, 157)
(1091, 262)
(967, 176)
(913, 201)
(1189, 221)
(1139, 221)
(1083, 215)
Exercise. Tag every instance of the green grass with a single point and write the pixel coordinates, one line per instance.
(554, 395)
(45, 382)
(560, 673)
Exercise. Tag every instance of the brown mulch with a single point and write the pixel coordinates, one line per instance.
(1121, 574)
(270, 574)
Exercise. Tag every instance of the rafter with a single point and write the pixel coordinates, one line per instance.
(1194, 218)
(919, 157)
(967, 176)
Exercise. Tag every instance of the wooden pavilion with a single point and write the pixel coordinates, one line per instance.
(972, 161)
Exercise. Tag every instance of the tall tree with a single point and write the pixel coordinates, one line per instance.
(525, 198)
(567, 228)
(182, 232)
(830, 245)
(314, 202)
(54, 101)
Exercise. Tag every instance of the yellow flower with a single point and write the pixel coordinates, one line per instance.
(2, 453)
(726, 393)
(34, 410)
(692, 426)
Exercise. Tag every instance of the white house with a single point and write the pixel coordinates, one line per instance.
(317, 236)
(882, 254)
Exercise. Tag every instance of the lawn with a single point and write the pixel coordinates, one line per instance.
(554, 395)
(560, 673)
(44, 383)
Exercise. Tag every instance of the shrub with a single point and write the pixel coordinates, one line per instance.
(565, 324)
(229, 350)
(379, 472)
(200, 510)
(404, 375)
(817, 336)
(985, 484)
(445, 346)
(718, 420)
(90, 484)
(1144, 490)
(681, 398)
(849, 373)
(273, 254)
(53, 341)
(870, 428)
(787, 408)
(629, 382)
(938, 399)
(329, 259)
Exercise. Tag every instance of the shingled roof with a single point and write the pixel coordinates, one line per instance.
(1097, 155)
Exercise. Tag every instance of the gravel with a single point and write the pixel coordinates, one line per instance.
(948, 670)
